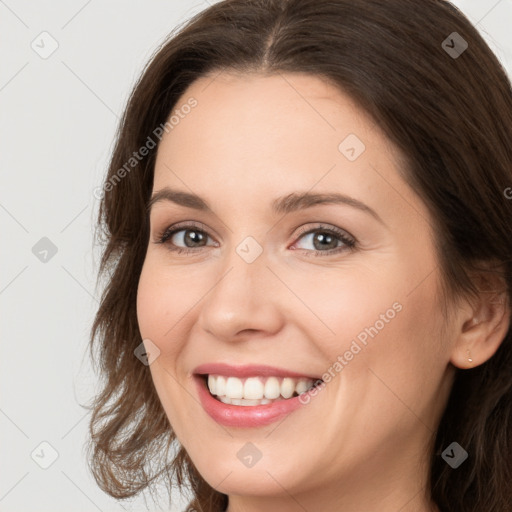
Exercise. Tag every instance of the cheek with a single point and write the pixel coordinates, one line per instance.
(399, 370)
(376, 322)
(355, 304)
(159, 307)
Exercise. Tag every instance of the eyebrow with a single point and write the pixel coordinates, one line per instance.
(282, 205)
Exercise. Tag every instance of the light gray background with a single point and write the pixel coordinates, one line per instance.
(58, 118)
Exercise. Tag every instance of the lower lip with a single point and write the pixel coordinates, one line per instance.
(246, 416)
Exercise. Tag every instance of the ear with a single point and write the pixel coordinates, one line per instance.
(483, 323)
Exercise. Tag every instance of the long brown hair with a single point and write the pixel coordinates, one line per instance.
(451, 116)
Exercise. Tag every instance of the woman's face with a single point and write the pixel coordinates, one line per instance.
(274, 287)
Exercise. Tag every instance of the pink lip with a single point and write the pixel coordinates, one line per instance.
(250, 416)
(248, 371)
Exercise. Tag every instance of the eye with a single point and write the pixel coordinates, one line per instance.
(189, 234)
(327, 240)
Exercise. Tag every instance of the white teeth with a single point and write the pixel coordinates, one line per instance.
(301, 386)
(253, 388)
(234, 388)
(272, 388)
(212, 381)
(256, 390)
(246, 402)
(287, 387)
(220, 385)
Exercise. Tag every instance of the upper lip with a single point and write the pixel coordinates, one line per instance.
(250, 370)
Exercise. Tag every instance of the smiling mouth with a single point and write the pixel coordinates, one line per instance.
(257, 390)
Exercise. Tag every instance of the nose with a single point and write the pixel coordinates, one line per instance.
(243, 299)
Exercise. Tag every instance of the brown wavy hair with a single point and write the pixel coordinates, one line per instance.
(451, 118)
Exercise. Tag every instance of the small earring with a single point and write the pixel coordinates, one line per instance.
(469, 356)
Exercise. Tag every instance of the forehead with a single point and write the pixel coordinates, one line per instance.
(279, 106)
(269, 134)
(252, 117)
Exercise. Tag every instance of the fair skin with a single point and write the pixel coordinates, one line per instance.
(362, 443)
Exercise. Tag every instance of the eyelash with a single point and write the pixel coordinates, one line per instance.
(350, 243)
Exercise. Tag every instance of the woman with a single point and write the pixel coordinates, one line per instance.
(308, 257)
